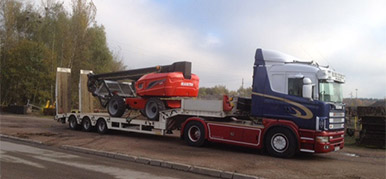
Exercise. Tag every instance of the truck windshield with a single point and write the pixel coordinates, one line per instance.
(330, 91)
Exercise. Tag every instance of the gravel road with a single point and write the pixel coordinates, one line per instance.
(351, 162)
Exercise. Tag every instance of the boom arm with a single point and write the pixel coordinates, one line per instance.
(97, 81)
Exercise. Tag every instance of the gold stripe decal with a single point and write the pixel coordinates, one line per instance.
(298, 114)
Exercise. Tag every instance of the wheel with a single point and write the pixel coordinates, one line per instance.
(101, 126)
(116, 106)
(280, 142)
(153, 107)
(73, 123)
(194, 134)
(86, 124)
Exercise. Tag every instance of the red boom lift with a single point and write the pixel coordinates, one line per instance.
(149, 90)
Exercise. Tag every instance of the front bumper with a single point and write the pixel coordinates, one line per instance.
(335, 142)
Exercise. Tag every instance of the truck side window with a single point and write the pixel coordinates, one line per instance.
(278, 83)
(295, 86)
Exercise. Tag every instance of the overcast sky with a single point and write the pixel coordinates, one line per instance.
(220, 37)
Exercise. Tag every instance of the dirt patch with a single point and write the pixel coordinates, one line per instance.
(11, 126)
(351, 162)
(47, 134)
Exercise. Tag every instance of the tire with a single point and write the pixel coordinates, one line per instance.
(73, 123)
(153, 107)
(101, 126)
(194, 134)
(281, 142)
(86, 124)
(116, 106)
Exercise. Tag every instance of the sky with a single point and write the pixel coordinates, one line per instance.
(220, 37)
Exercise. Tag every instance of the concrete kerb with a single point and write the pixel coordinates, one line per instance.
(166, 164)
(180, 166)
(226, 174)
(161, 163)
(156, 162)
(207, 171)
(143, 160)
(30, 141)
(243, 176)
(125, 157)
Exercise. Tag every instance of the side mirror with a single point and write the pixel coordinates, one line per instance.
(307, 88)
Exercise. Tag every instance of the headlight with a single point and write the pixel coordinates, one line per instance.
(322, 139)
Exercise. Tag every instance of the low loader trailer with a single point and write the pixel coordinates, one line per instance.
(295, 107)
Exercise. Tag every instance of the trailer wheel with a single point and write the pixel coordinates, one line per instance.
(194, 134)
(73, 123)
(153, 107)
(86, 124)
(280, 142)
(116, 106)
(101, 126)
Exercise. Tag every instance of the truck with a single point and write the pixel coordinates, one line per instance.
(295, 106)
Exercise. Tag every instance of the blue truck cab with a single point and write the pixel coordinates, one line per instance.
(305, 93)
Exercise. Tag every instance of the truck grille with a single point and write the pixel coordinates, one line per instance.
(336, 120)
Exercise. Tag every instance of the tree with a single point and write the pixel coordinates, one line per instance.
(34, 42)
(218, 91)
(215, 92)
(25, 75)
(244, 92)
